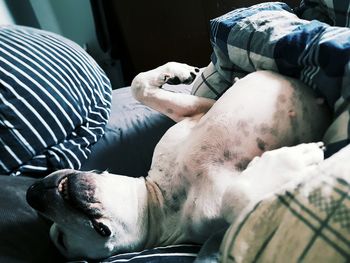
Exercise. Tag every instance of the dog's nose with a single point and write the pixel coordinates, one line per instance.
(36, 196)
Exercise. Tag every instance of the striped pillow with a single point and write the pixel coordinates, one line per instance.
(54, 102)
(185, 253)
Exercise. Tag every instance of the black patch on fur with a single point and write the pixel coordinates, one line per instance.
(227, 155)
(204, 148)
(263, 129)
(261, 144)
(242, 164)
(274, 131)
(177, 200)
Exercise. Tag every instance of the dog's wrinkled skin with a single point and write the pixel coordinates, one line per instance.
(200, 179)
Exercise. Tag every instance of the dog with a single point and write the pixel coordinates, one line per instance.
(218, 158)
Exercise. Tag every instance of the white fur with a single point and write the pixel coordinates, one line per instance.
(199, 181)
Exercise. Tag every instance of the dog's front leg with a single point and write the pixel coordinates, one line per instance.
(147, 88)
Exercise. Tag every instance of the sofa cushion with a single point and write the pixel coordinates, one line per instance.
(24, 234)
(132, 132)
(54, 102)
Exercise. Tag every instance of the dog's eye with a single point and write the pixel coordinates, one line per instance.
(101, 228)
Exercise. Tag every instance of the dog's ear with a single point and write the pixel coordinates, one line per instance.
(101, 228)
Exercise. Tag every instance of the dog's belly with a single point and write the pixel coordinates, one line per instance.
(196, 159)
(261, 112)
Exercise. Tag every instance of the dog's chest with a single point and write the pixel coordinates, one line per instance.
(188, 155)
(191, 148)
(167, 163)
(190, 182)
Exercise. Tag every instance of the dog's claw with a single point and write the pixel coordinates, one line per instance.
(322, 146)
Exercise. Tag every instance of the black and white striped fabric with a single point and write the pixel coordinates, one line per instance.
(185, 253)
(54, 102)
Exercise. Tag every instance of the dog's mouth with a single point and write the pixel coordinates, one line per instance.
(82, 204)
(64, 188)
(79, 193)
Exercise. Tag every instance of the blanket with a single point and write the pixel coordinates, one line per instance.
(270, 36)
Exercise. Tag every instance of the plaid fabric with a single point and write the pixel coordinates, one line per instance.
(270, 36)
(308, 223)
(210, 84)
(54, 102)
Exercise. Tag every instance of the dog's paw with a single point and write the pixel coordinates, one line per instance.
(300, 156)
(177, 73)
(275, 168)
(288, 161)
(296, 157)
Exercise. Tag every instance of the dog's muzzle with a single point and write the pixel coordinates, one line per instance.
(41, 192)
(76, 190)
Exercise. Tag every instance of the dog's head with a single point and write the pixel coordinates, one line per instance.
(94, 215)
